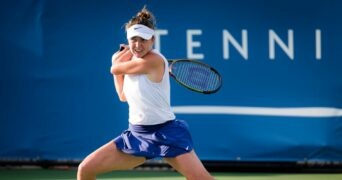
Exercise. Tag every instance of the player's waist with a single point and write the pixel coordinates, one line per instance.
(148, 128)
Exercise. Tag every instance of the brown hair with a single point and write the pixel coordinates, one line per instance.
(144, 17)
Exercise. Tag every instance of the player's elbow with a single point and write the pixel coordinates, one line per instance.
(123, 100)
(122, 97)
(115, 70)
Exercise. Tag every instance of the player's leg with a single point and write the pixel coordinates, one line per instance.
(106, 158)
(190, 166)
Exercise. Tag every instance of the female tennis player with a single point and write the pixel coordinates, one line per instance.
(141, 78)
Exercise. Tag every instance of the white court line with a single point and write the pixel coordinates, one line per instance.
(261, 111)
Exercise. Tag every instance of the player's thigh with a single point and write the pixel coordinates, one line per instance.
(189, 165)
(108, 158)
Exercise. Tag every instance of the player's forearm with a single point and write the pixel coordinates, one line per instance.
(118, 82)
(121, 56)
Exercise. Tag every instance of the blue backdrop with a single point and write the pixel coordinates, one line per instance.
(280, 60)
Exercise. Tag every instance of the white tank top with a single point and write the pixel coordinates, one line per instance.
(149, 102)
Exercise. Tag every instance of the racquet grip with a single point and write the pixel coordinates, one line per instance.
(121, 47)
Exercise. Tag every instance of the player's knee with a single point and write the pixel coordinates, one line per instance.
(202, 178)
(199, 176)
(85, 170)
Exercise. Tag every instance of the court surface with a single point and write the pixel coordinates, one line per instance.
(52, 174)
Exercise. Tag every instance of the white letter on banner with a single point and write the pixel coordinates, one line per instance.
(157, 35)
(273, 37)
(191, 44)
(318, 44)
(243, 49)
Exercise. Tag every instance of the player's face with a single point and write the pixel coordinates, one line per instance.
(139, 46)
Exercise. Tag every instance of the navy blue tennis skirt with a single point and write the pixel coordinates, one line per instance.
(169, 139)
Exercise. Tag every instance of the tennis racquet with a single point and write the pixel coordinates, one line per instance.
(195, 75)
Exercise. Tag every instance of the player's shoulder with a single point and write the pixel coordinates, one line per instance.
(155, 57)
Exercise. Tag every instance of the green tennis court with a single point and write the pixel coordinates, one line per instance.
(51, 174)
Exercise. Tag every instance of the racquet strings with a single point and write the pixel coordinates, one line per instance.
(196, 75)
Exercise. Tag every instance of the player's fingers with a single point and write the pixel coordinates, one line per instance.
(121, 51)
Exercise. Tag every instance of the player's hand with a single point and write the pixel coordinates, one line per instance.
(123, 54)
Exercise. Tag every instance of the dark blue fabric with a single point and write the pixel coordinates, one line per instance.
(169, 139)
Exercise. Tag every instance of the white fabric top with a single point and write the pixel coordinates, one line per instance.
(149, 102)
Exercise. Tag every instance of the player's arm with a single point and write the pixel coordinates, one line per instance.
(121, 56)
(145, 65)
